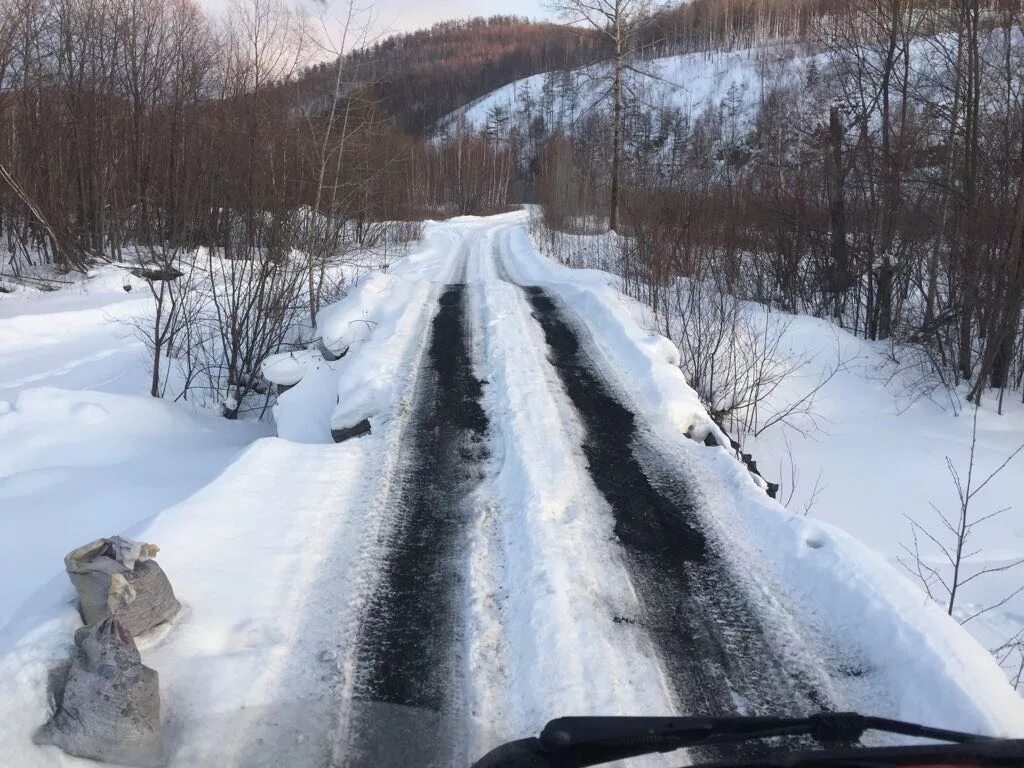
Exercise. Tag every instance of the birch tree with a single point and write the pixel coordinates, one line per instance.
(618, 21)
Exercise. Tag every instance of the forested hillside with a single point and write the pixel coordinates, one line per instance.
(421, 76)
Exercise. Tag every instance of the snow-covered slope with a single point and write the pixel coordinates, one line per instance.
(874, 458)
(692, 83)
(734, 83)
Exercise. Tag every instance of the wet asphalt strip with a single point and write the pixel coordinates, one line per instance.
(408, 660)
(715, 652)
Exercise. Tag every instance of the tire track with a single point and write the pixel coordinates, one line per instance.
(717, 655)
(408, 663)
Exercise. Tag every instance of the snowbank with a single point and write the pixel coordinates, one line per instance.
(350, 321)
(876, 433)
(376, 369)
(286, 369)
(377, 327)
(239, 670)
(78, 465)
(897, 651)
(338, 394)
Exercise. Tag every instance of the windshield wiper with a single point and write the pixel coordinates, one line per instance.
(988, 753)
(575, 742)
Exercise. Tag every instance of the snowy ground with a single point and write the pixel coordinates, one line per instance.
(84, 451)
(877, 458)
(79, 337)
(274, 546)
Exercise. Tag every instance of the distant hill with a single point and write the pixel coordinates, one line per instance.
(422, 76)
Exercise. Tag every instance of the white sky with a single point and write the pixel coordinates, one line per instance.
(410, 15)
(384, 17)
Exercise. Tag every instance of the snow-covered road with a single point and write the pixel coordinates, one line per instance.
(534, 527)
(594, 571)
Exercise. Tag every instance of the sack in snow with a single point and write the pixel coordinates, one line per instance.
(118, 577)
(110, 708)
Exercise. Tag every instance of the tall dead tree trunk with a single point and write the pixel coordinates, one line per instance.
(618, 21)
(613, 212)
(837, 210)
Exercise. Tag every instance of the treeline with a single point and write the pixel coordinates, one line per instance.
(708, 25)
(875, 178)
(128, 122)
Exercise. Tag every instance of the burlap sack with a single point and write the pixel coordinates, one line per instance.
(118, 577)
(110, 706)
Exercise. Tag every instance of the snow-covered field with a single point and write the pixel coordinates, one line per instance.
(79, 337)
(875, 458)
(273, 543)
(84, 451)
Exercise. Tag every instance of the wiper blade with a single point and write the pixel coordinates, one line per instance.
(575, 742)
(988, 753)
(596, 740)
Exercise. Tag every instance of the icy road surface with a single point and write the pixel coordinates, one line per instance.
(534, 528)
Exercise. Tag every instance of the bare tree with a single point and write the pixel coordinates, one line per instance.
(944, 582)
(1010, 656)
(255, 308)
(330, 153)
(619, 21)
(171, 332)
